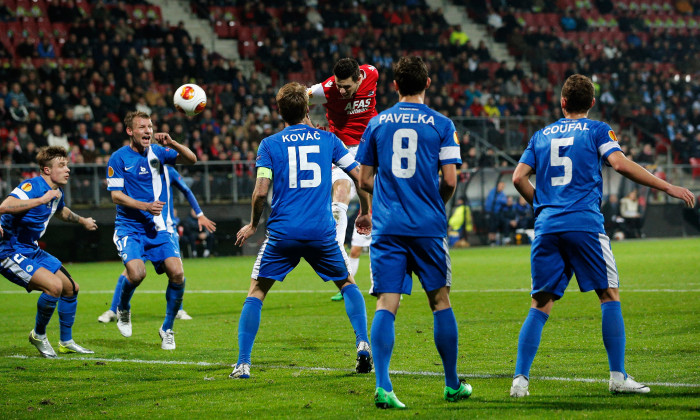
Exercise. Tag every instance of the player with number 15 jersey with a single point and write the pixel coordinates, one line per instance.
(300, 158)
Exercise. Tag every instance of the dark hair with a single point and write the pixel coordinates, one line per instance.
(132, 115)
(411, 75)
(347, 67)
(293, 102)
(578, 90)
(48, 153)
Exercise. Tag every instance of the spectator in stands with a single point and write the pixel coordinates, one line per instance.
(646, 156)
(57, 138)
(192, 236)
(495, 200)
(629, 210)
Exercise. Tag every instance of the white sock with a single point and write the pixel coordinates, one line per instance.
(340, 214)
(354, 264)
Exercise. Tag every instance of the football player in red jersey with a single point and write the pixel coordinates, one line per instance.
(349, 97)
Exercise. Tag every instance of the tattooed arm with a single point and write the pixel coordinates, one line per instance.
(67, 215)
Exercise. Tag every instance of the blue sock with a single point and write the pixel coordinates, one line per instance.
(614, 335)
(67, 306)
(45, 307)
(529, 341)
(355, 308)
(173, 299)
(382, 347)
(117, 294)
(248, 328)
(127, 292)
(446, 341)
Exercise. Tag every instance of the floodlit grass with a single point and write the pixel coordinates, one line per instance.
(303, 359)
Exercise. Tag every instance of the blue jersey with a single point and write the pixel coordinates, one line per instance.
(567, 157)
(408, 143)
(177, 181)
(25, 229)
(301, 158)
(142, 177)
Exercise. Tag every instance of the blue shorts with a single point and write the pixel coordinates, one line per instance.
(277, 257)
(20, 266)
(556, 256)
(395, 258)
(156, 249)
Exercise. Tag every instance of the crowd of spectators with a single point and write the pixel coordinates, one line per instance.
(111, 63)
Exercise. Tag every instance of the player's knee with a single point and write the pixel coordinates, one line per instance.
(178, 277)
(137, 276)
(355, 252)
(54, 288)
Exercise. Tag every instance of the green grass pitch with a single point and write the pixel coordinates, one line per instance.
(303, 358)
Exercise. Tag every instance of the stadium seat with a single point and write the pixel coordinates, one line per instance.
(695, 167)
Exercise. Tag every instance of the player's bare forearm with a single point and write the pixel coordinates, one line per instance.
(367, 178)
(185, 155)
(521, 182)
(362, 195)
(122, 199)
(262, 186)
(638, 174)
(448, 182)
(67, 215)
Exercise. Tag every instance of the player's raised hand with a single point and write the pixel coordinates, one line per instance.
(683, 193)
(50, 195)
(246, 232)
(155, 208)
(204, 222)
(363, 224)
(163, 139)
(89, 223)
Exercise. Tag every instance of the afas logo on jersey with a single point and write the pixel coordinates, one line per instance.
(27, 187)
(456, 139)
(110, 171)
(612, 135)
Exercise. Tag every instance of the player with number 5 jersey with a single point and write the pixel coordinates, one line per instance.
(566, 157)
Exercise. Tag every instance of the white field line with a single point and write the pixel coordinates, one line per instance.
(276, 291)
(322, 369)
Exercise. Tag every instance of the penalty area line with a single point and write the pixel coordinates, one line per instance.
(324, 369)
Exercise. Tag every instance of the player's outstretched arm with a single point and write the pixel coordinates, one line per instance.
(67, 215)
(155, 207)
(262, 186)
(367, 178)
(448, 181)
(15, 205)
(638, 174)
(185, 155)
(363, 223)
(521, 182)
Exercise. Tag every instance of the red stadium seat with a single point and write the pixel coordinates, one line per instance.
(695, 165)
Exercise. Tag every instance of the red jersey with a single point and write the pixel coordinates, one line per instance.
(348, 118)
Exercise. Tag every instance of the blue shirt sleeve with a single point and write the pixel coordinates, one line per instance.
(115, 173)
(166, 155)
(528, 156)
(449, 145)
(606, 140)
(341, 156)
(177, 180)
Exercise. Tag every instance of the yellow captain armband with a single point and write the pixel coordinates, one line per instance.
(264, 172)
